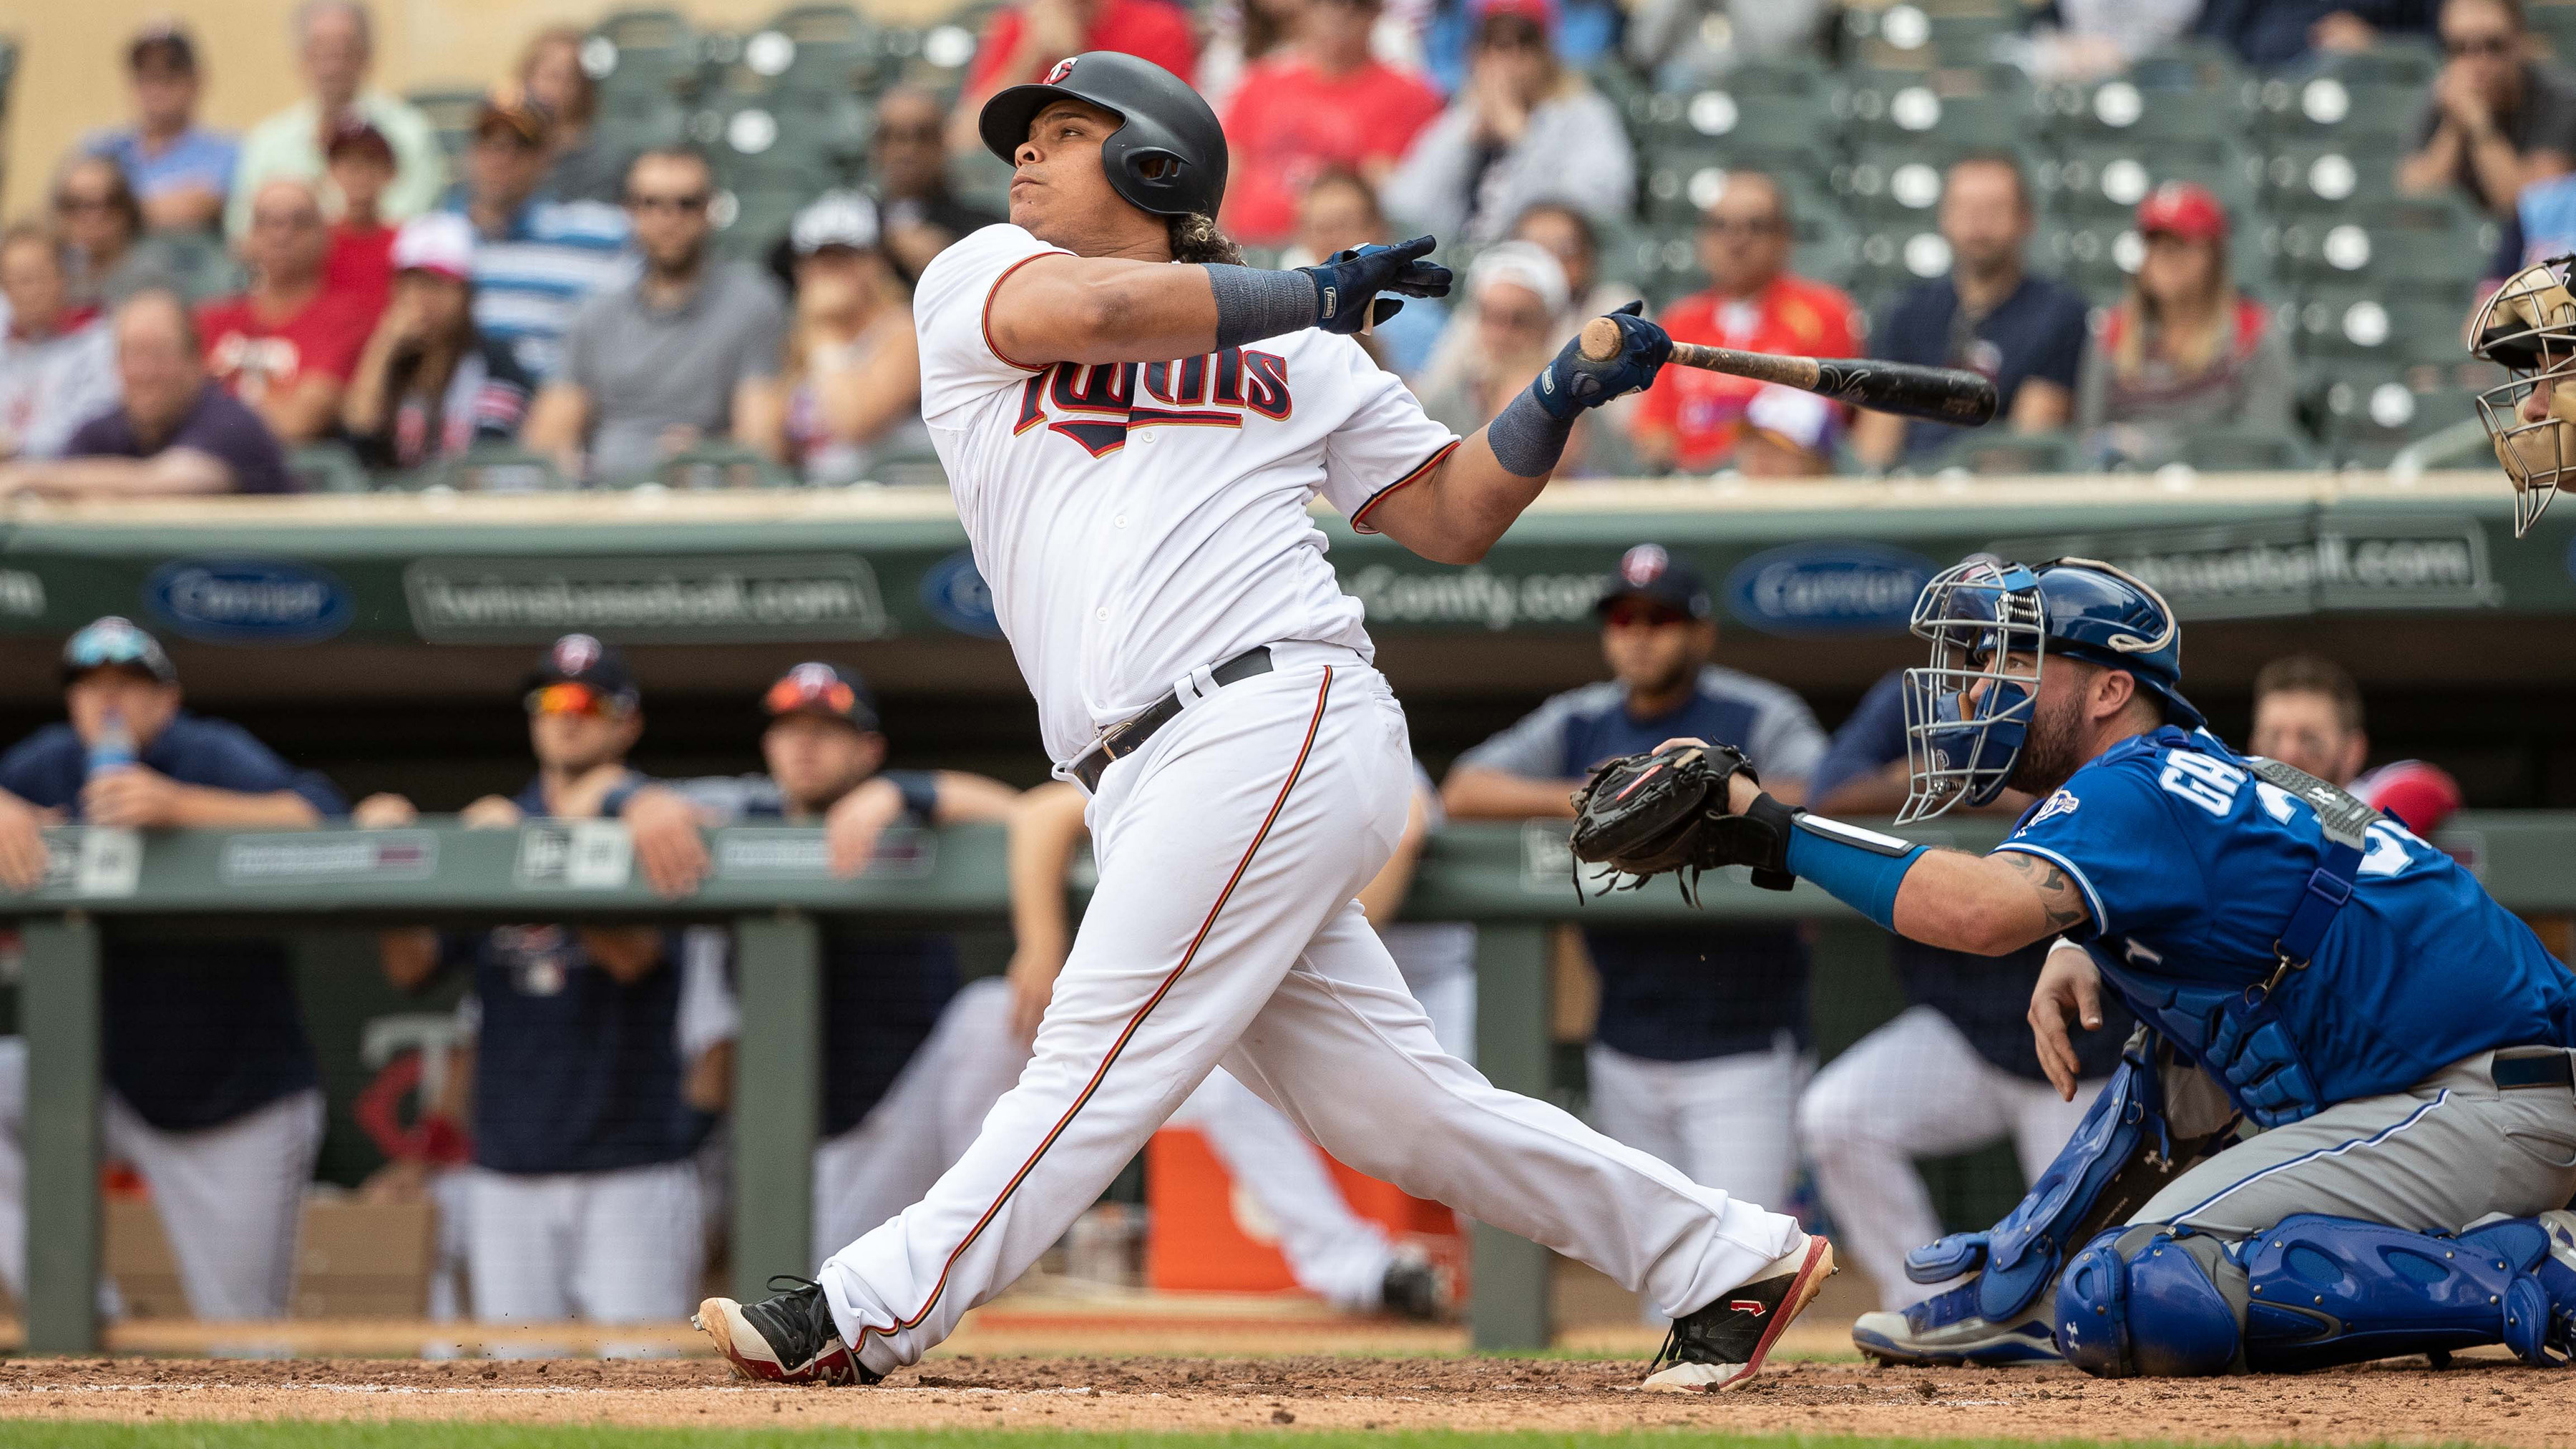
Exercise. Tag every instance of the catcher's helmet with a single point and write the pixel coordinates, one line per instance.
(2529, 326)
(1994, 624)
(1167, 155)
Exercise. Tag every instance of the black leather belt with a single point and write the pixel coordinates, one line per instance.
(1130, 734)
(2540, 1069)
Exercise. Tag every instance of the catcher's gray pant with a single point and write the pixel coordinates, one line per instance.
(1916, 1088)
(2452, 1151)
(230, 1197)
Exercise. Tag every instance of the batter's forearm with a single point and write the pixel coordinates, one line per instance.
(1455, 514)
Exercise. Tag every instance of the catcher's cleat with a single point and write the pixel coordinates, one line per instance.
(1722, 1346)
(789, 1339)
(1945, 1331)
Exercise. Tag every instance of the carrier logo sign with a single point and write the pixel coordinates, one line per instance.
(670, 600)
(1828, 588)
(248, 601)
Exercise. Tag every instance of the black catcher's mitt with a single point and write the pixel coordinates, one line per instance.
(1647, 814)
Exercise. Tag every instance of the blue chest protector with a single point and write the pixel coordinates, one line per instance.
(2237, 1033)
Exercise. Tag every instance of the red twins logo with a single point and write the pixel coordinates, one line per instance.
(1061, 69)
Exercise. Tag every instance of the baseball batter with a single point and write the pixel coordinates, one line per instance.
(1133, 425)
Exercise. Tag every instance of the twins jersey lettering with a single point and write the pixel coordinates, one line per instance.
(1137, 522)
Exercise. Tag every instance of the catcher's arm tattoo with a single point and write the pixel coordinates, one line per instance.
(1987, 905)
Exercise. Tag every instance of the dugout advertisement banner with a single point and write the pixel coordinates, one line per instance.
(266, 575)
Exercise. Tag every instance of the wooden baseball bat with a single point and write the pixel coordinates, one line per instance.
(1942, 394)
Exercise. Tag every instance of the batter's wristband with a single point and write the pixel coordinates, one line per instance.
(1252, 304)
(1528, 440)
(1860, 868)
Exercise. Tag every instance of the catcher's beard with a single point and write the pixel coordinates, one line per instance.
(2052, 748)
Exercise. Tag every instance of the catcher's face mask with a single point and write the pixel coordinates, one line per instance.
(2529, 326)
(1968, 711)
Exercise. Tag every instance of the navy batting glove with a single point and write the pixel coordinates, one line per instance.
(1574, 382)
(1346, 287)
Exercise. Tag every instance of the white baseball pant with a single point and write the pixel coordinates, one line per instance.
(1225, 929)
(1916, 1088)
(1332, 1251)
(925, 1121)
(230, 1197)
(622, 1246)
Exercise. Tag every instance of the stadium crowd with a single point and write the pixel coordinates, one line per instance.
(2118, 212)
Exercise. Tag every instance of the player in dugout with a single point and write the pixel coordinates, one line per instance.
(213, 1094)
(599, 1051)
(912, 1061)
(2347, 1130)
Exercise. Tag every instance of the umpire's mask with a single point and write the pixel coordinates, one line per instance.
(2529, 326)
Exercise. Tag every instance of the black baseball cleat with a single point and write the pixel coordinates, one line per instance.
(1722, 1346)
(789, 1339)
(1414, 1288)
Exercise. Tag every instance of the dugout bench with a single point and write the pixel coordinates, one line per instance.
(771, 885)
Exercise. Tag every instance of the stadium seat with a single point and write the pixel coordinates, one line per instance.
(2107, 177)
(815, 47)
(328, 468)
(2367, 422)
(2430, 249)
(2288, 110)
(451, 111)
(2190, 65)
(1992, 453)
(1918, 113)
(2357, 325)
(486, 467)
(2243, 450)
(2123, 110)
(916, 467)
(2327, 176)
(713, 464)
(642, 51)
(750, 219)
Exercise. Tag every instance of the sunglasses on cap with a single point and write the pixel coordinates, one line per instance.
(573, 698)
(792, 695)
(1642, 614)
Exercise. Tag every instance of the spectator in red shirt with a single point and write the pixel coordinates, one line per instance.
(1021, 41)
(1692, 420)
(360, 264)
(1322, 104)
(286, 346)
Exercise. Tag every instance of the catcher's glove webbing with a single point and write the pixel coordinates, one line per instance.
(1647, 814)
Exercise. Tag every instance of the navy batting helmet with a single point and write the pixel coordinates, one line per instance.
(1167, 155)
(1993, 625)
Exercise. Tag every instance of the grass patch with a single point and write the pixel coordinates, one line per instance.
(423, 1434)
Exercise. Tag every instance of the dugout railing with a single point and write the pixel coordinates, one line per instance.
(772, 886)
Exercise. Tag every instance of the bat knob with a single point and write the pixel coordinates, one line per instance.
(1600, 340)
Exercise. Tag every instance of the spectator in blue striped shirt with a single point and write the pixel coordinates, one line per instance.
(536, 260)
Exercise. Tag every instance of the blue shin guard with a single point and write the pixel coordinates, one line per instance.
(2159, 1301)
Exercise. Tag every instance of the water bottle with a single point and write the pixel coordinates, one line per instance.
(114, 747)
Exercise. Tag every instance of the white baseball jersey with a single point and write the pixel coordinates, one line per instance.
(1138, 521)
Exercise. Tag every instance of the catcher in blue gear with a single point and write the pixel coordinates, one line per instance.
(2346, 1128)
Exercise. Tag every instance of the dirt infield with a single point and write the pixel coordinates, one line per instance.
(2482, 1401)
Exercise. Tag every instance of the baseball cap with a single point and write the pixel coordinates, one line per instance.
(112, 642)
(525, 121)
(1522, 264)
(437, 241)
(581, 659)
(1650, 572)
(1541, 13)
(826, 690)
(835, 219)
(2185, 209)
(354, 134)
(1800, 420)
(165, 41)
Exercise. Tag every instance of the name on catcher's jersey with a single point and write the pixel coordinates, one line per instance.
(2190, 863)
(1136, 521)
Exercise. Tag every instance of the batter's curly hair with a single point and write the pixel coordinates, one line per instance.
(1194, 238)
